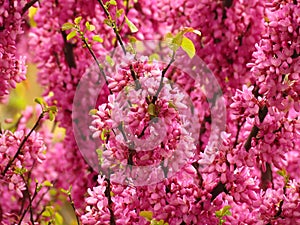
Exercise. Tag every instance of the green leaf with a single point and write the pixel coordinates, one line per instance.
(172, 105)
(65, 191)
(58, 219)
(77, 20)
(41, 101)
(153, 56)
(97, 38)
(46, 214)
(47, 183)
(89, 26)
(67, 26)
(147, 215)
(51, 115)
(113, 2)
(119, 13)
(71, 35)
(188, 46)
(108, 22)
(100, 154)
(93, 112)
(109, 60)
(131, 26)
(52, 109)
(151, 109)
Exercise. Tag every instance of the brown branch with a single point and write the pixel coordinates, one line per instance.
(73, 207)
(97, 62)
(263, 111)
(108, 196)
(28, 5)
(22, 144)
(114, 26)
(266, 177)
(161, 84)
(218, 190)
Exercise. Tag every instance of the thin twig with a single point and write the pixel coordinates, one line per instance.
(161, 84)
(31, 200)
(73, 207)
(23, 143)
(114, 26)
(97, 62)
(27, 6)
(108, 196)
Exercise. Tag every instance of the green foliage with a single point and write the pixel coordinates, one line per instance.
(20, 171)
(113, 2)
(109, 60)
(71, 35)
(52, 216)
(97, 38)
(47, 183)
(100, 155)
(67, 26)
(131, 26)
(77, 20)
(180, 40)
(67, 192)
(152, 110)
(51, 110)
(119, 13)
(225, 211)
(285, 175)
(148, 215)
(93, 112)
(188, 46)
(89, 26)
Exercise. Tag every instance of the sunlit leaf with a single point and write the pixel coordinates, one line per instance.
(97, 38)
(71, 35)
(131, 26)
(77, 19)
(67, 26)
(147, 215)
(188, 46)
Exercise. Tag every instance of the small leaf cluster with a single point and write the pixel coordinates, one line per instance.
(76, 30)
(180, 40)
(285, 175)
(50, 110)
(52, 216)
(225, 211)
(148, 215)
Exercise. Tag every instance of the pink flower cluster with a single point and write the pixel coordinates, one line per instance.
(12, 66)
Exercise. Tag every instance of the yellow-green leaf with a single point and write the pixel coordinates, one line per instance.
(188, 46)
(71, 35)
(89, 26)
(97, 38)
(40, 101)
(119, 12)
(77, 19)
(147, 215)
(67, 26)
(131, 26)
(109, 60)
(113, 2)
(47, 183)
(58, 219)
(93, 112)
(151, 109)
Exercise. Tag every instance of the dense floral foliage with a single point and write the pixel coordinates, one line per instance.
(146, 138)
